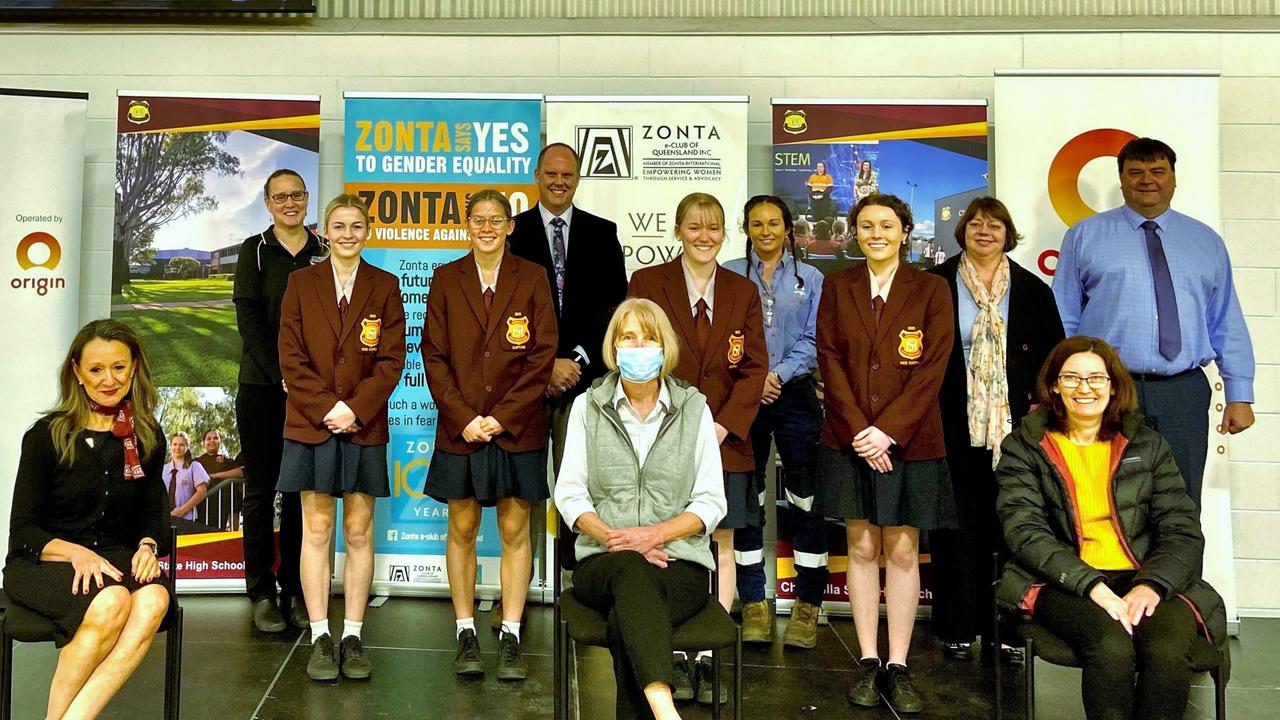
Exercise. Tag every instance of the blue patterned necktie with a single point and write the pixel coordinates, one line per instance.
(1166, 301)
(557, 255)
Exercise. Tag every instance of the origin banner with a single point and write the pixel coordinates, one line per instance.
(415, 159)
(41, 202)
(190, 172)
(640, 155)
(1057, 166)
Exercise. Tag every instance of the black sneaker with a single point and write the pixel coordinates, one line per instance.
(898, 690)
(702, 672)
(322, 665)
(864, 691)
(957, 651)
(352, 660)
(682, 672)
(511, 664)
(467, 660)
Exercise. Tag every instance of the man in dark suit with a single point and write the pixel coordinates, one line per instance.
(588, 278)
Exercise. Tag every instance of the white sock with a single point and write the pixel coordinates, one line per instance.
(351, 628)
(318, 628)
(703, 654)
(465, 624)
(512, 627)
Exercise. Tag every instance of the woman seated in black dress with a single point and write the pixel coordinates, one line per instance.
(89, 509)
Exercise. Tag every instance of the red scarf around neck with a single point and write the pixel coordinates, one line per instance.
(122, 427)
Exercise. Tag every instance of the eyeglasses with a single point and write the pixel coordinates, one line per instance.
(496, 221)
(282, 198)
(1071, 382)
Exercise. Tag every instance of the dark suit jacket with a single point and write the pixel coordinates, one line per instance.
(887, 376)
(595, 282)
(324, 360)
(730, 370)
(495, 362)
(1032, 329)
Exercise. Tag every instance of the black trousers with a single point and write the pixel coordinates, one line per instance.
(1159, 652)
(558, 425)
(1177, 407)
(260, 417)
(643, 603)
(960, 568)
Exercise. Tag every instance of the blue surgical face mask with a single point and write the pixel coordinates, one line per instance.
(640, 364)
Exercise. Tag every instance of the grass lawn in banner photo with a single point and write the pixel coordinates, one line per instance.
(167, 291)
(188, 346)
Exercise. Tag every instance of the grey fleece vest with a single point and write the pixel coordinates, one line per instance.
(627, 495)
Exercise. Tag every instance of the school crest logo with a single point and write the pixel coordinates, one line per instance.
(139, 112)
(518, 330)
(794, 122)
(370, 331)
(911, 343)
(737, 347)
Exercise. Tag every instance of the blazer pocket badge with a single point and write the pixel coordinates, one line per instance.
(518, 331)
(911, 343)
(370, 331)
(737, 348)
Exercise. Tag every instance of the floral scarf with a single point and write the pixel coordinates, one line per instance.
(989, 418)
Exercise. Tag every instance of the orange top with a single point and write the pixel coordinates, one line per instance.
(820, 182)
(1090, 466)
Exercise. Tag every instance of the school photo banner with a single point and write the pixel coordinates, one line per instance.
(1056, 165)
(190, 169)
(41, 199)
(415, 159)
(827, 155)
(641, 154)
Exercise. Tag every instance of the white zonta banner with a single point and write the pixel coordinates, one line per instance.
(641, 155)
(41, 196)
(1058, 135)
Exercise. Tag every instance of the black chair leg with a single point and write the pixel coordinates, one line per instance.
(715, 685)
(6, 675)
(737, 675)
(998, 706)
(1029, 677)
(1219, 694)
(173, 668)
(563, 667)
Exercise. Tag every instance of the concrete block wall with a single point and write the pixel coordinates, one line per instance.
(308, 59)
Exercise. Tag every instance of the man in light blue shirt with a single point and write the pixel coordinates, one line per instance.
(1157, 285)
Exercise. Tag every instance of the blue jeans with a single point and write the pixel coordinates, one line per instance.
(794, 422)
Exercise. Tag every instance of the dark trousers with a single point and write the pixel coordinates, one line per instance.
(794, 421)
(960, 567)
(1159, 652)
(260, 417)
(1177, 407)
(644, 604)
(558, 423)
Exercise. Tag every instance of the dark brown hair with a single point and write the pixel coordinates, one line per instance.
(1146, 150)
(1124, 398)
(894, 203)
(994, 209)
(266, 186)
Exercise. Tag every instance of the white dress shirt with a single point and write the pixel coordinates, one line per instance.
(343, 289)
(694, 296)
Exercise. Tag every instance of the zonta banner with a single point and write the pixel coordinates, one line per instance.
(644, 154)
(416, 158)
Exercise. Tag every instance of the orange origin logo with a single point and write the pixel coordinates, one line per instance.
(39, 238)
(1064, 171)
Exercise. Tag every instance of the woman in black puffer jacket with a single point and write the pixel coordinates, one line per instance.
(1106, 543)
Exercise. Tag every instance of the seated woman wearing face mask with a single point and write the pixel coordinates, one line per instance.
(641, 445)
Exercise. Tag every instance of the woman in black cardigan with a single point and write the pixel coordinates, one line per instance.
(1006, 324)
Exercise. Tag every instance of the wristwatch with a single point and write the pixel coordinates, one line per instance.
(155, 550)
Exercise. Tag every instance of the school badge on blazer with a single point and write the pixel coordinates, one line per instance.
(911, 344)
(737, 348)
(518, 331)
(370, 333)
